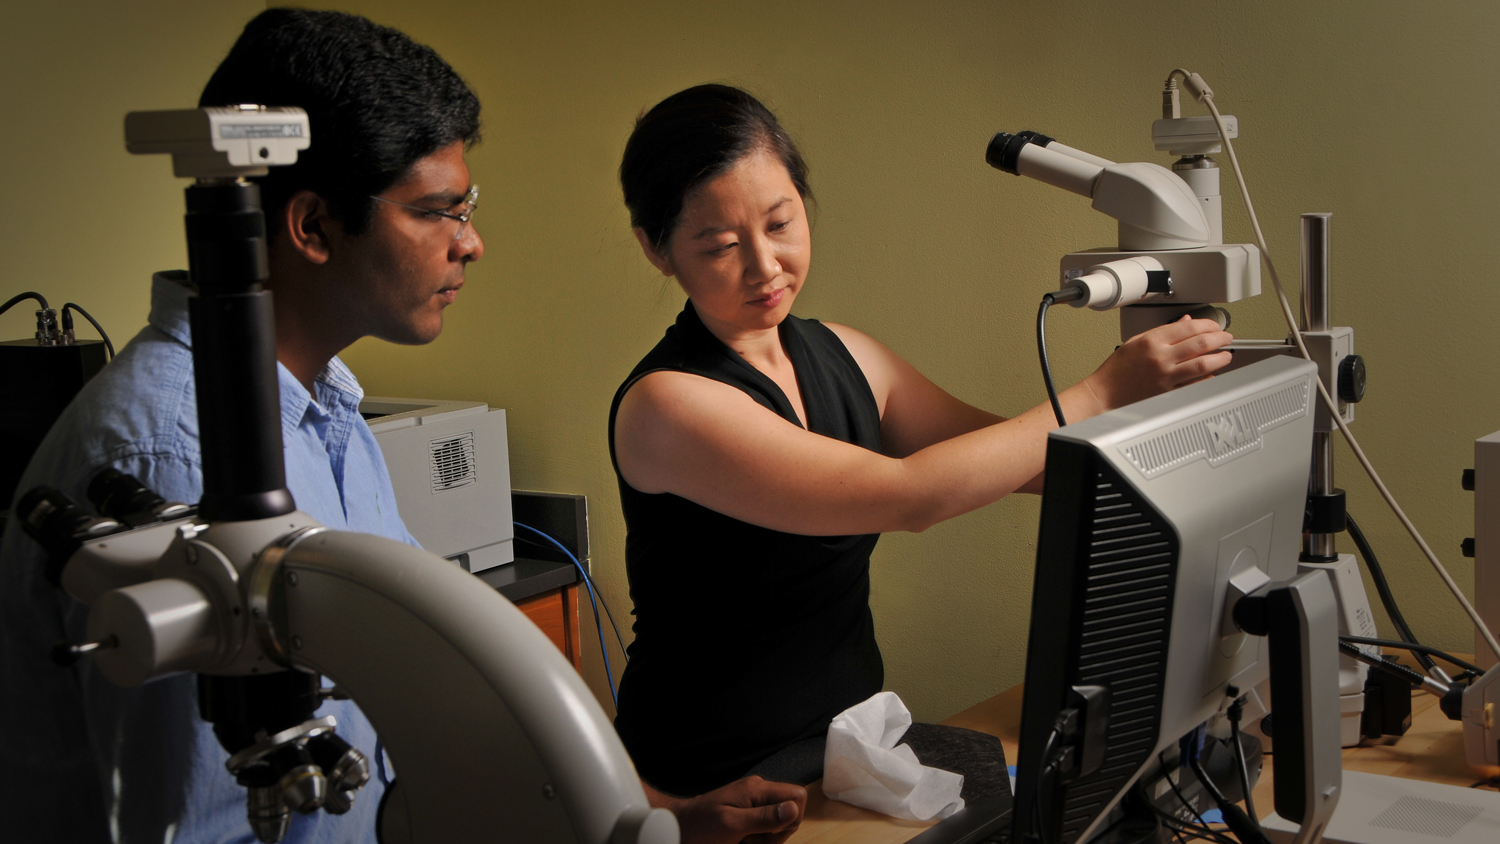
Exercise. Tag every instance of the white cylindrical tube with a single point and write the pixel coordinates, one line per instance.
(1115, 284)
(159, 627)
(1058, 169)
(1079, 154)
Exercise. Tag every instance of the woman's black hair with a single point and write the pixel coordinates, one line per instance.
(690, 138)
(376, 102)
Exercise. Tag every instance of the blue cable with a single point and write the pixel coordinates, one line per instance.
(593, 600)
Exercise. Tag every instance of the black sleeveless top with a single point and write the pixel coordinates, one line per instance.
(746, 639)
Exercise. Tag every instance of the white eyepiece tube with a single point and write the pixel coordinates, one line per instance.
(1058, 169)
(1128, 281)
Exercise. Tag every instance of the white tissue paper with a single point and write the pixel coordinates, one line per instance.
(863, 766)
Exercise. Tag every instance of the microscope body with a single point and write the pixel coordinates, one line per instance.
(489, 727)
(491, 730)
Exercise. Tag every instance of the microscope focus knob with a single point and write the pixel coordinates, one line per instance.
(1352, 379)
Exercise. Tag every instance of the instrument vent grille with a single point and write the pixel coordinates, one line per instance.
(453, 464)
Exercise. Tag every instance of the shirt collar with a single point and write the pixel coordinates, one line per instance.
(169, 305)
(336, 384)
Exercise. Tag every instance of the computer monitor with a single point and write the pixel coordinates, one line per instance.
(1155, 517)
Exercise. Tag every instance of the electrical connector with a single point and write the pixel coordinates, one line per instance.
(1171, 100)
(47, 333)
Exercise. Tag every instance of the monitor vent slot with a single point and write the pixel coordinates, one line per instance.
(453, 462)
(1129, 574)
(1220, 437)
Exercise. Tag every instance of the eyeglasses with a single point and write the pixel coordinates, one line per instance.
(469, 203)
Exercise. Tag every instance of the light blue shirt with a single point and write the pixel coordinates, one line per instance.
(82, 760)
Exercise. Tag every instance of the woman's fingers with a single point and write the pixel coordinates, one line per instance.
(1164, 358)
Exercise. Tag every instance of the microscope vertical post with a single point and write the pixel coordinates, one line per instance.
(1317, 546)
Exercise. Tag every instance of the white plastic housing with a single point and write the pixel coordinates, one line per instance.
(1486, 542)
(492, 730)
(1355, 619)
(1116, 283)
(220, 142)
(1155, 208)
(1192, 135)
(1481, 716)
(158, 627)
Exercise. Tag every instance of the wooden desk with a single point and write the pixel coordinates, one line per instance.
(1431, 750)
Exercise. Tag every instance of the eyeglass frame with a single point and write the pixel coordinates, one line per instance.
(471, 199)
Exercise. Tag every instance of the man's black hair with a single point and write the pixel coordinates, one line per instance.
(376, 101)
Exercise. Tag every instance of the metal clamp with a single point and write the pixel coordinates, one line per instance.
(264, 576)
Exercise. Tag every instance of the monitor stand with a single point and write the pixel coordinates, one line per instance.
(1375, 809)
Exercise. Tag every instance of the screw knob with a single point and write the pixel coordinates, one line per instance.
(1352, 379)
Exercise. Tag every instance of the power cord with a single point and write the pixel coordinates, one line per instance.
(594, 600)
(1200, 90)
(1416, 650)
(1235, 713)
(1387, 597)
(12, 301)
(1067, 294)
(67, 324)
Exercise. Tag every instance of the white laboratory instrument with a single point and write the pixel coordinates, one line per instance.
(1484, 546)
(1171, 258)
(450, 470)
(491, 731)
(1172, 261)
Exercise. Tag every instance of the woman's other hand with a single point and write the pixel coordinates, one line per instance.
(1164, 358)
(751, 810)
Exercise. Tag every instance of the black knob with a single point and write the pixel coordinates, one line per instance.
(1468, 547)
(1469, 480)
(1352, 379)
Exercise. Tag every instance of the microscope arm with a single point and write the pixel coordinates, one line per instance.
(491, 731)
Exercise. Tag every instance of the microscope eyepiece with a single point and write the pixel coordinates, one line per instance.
(1005, 149)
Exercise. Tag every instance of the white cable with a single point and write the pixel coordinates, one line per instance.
(1200, 89)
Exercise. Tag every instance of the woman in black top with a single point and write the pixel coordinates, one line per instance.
(760, 455)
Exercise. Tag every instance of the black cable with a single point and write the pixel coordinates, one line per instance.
(1246, 828)
(1410, 676)
(1180, 827)
(1038, 823)
(1415, 649)
(1041, 348)
(1387, 598)
(1177, 791)
(40, 300)
(1236, 710)
(110, 347)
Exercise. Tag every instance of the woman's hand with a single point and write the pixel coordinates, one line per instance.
(751, 810)
(1164, 358)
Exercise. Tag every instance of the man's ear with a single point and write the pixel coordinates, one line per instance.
(657, 259)
(305, 220)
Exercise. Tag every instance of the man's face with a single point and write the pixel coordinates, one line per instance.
(398, 275)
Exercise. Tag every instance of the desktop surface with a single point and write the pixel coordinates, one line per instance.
(1431, 750)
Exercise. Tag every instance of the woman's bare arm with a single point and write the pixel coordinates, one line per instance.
(711, 443)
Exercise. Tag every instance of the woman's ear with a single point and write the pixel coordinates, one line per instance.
(305, 219)
(657, 259)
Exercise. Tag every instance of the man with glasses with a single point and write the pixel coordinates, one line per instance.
(369, 235)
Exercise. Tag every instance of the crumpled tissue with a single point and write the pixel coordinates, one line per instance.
(863, 766)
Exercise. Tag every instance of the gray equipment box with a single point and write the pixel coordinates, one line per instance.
(450, 468)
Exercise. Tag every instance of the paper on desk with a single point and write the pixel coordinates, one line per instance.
(863, 766)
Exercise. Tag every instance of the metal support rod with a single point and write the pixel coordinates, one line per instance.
(1317, 546)
(1315, 271)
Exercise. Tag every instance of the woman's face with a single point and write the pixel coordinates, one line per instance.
(742, 247)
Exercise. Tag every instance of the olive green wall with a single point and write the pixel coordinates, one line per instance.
(82, 220)
(1380, 112)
